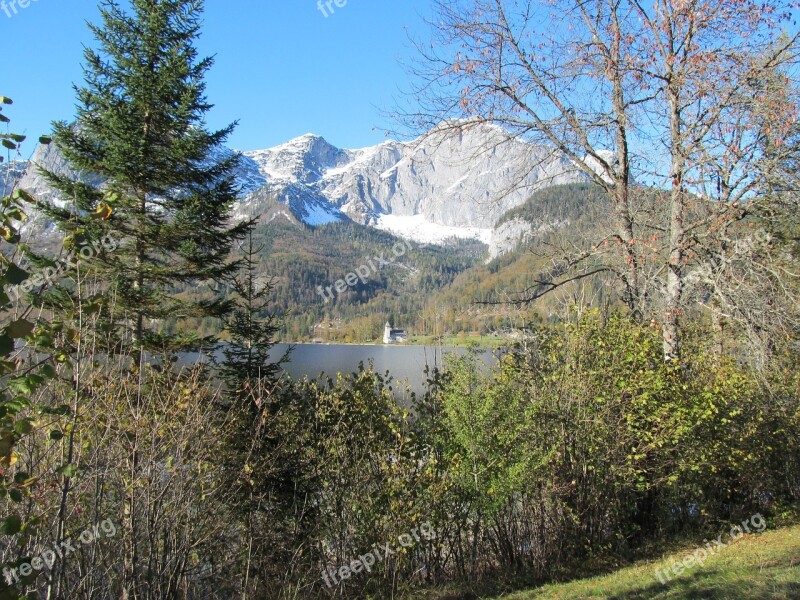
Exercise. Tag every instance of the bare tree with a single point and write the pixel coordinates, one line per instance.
(708, 62)
(670, 96)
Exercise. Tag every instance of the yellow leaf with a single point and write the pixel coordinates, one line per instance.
(102, 212)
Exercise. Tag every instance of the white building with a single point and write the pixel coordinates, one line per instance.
(394, 336)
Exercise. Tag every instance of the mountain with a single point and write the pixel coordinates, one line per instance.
(455, 182)
(326, 213)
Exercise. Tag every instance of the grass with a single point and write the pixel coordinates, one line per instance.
(462, 341)
(764, 566)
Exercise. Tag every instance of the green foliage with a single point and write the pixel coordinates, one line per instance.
(251, 330)
(21, 417)
(261, 478)
(587, 444)
(485, 419)
(167, 190)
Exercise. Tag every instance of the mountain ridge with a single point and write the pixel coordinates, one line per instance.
(454, 182)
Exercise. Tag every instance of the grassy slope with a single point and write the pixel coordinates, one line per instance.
(765, 566)
(758, 566)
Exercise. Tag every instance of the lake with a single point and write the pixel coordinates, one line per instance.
(404, 363)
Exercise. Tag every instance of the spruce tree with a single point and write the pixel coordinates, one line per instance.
(153, 177)
(260, 468)
(247, 364)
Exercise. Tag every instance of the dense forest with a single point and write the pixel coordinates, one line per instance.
(394, 291)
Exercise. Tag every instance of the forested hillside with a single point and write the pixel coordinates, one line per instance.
(302, 261)
(431, 290)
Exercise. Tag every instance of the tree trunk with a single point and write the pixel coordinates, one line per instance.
(674, 291)
(633, 291)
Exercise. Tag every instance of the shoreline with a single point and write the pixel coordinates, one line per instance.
(498, 343)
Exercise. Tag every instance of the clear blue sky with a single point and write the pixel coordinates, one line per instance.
(282, 68)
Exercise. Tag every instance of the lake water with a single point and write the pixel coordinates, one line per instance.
(404, 363)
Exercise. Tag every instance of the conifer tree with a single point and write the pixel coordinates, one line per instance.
(150, 169)
(260, 469)
(252, 330)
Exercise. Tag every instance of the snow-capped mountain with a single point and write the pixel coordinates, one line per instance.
(454, 182)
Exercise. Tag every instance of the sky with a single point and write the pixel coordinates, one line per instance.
(282, 68)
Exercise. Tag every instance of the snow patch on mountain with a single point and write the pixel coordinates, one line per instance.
(320, 214)
(418, 229)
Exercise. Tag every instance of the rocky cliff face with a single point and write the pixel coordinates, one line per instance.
(458, 176)
(511, 234)
(455, 181)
